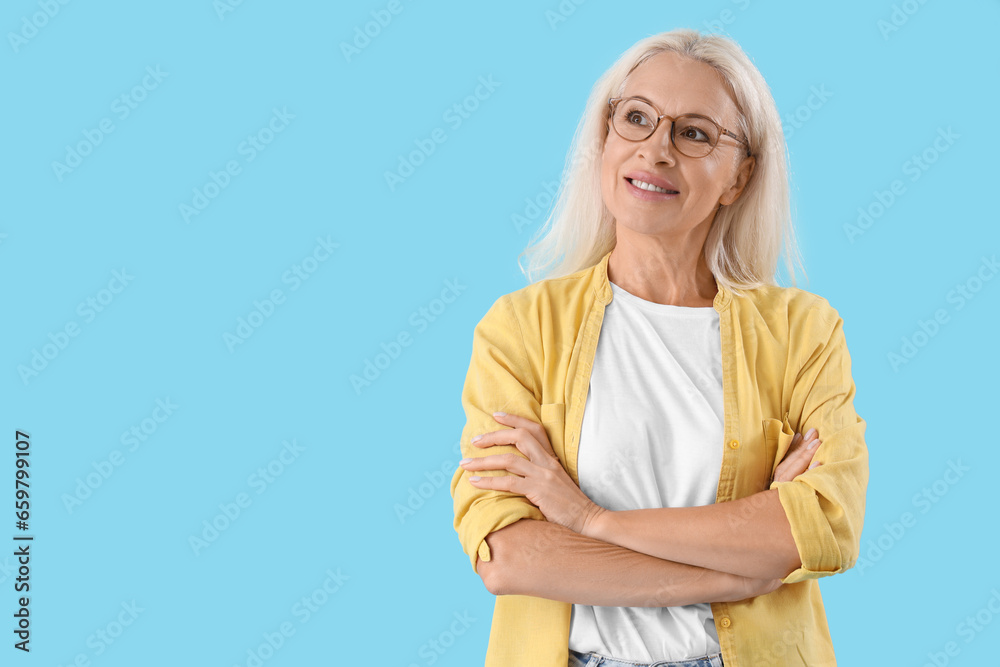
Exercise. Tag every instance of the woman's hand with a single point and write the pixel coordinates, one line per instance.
(798, 456)
(540, 478)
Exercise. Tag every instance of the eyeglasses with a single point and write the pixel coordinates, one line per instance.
(693, 135)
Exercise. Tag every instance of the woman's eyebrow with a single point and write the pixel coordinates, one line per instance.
(700, 113)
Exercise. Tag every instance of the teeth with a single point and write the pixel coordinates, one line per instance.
(648, 186)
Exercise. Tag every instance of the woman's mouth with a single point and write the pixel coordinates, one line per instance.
(645, 190)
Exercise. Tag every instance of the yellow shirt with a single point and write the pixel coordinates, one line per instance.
(785, 366)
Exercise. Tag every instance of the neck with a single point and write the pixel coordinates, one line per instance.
(665, 274)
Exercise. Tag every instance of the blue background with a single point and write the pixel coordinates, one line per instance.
(332, 505)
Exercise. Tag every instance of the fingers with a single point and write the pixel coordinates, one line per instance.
(806, 440)
(795, 461)
(532, 427)
(509, 462)
(497, 482)
(526, 435)
(806, 449)
(805, 452)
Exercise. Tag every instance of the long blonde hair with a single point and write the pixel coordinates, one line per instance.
(744, 242)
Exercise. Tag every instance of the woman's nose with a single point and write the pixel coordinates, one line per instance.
(658, 146)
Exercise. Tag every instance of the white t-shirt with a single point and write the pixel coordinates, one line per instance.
(652, 436)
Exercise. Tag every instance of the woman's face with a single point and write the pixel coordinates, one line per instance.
(675, 85)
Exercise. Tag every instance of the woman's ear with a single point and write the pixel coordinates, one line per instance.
(743, 174)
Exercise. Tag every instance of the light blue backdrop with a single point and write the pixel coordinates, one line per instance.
(200, 249)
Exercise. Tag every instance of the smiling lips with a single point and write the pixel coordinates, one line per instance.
(648, 191)
(648, 182)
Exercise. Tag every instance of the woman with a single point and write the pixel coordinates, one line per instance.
(641, 405)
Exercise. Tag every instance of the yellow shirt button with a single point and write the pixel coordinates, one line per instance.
(734, 443)
(725, 622)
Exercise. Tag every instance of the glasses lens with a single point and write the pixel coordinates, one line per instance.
(695, 136)
(634, 119)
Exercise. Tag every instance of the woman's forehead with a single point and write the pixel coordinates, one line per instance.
(677, 84)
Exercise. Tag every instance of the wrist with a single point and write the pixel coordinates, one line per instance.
(595, 522)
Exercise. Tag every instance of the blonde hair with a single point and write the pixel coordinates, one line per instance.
(744, 242)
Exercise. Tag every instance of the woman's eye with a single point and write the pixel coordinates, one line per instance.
(694, 133)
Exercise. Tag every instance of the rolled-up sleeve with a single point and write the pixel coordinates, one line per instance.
(500, 378)
(825, 506)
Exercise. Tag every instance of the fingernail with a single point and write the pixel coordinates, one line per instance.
(813, 444)
(476, 438)
(815, 463)
(499, 414)
(464, 461)
(810, 433)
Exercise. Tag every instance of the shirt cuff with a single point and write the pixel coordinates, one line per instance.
(818, 549)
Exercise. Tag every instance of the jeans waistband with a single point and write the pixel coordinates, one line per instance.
(578, 659)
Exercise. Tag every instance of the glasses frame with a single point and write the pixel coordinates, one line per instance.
(614, 101)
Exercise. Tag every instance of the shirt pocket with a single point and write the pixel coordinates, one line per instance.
(778, 435)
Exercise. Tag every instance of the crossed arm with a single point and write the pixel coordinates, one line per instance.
(681, 555)
(650, 557)
(547, 560)
(702, 554)
(750, 537)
